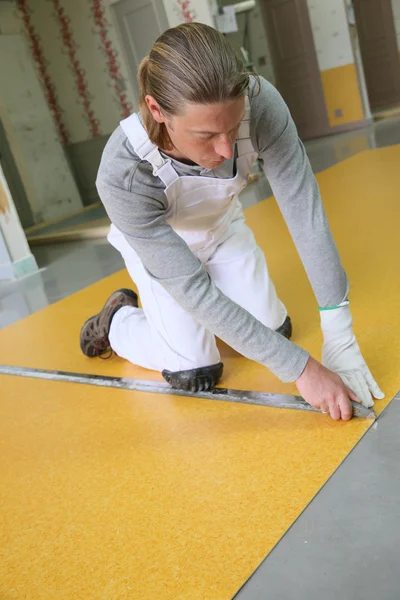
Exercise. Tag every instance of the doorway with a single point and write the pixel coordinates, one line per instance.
(294, 58)
(379, 51)
(140, 23)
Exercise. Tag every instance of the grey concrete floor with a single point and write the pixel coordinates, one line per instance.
(345, 544)
(64, 269)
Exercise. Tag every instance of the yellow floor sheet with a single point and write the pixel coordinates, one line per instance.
(106, 490)
(124, 495)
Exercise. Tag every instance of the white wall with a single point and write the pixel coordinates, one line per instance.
(9, 20)
(331, 33)
(94, 104)
(91, 98)
(51, 102)
(49, 185)
(179, 11)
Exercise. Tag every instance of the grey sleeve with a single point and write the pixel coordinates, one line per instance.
(169, 260)
(296, 191)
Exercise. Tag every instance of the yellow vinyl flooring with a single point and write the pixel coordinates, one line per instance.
(124, 495)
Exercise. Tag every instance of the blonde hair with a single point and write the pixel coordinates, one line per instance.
(189, 63)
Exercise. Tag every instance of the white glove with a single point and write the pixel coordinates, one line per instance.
(341, 354)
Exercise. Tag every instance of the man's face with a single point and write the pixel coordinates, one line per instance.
(204, 133)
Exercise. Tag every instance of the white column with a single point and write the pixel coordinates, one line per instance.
(16, 258)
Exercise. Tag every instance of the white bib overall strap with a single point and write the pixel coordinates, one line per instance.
(243, 141)
(146, 150)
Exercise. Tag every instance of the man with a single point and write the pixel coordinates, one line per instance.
(169, 180)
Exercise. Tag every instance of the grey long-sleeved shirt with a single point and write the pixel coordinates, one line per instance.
(135, 202)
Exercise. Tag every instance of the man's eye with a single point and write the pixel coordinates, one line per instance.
(205, 136)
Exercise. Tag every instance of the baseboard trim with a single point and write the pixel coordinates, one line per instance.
(350, 126)
(70, 235)
(81, 211)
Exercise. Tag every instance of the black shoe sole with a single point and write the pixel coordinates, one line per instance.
(129, 293)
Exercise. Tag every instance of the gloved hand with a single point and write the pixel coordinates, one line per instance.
(341, 354)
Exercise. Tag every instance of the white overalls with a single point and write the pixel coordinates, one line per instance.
(207, 214)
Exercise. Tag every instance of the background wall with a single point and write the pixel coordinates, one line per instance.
(336, 61)
(30, 129)
(77, 53)
(180, 11)
(73, 46)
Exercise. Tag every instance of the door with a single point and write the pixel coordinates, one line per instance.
(140, 23)
(378, 45)
(14, 182)
(294, 58)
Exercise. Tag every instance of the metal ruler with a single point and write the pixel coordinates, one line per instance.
(155, 387)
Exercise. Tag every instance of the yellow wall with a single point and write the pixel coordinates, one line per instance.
(342, 94)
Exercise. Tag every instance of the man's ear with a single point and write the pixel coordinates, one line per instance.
(155, 109)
